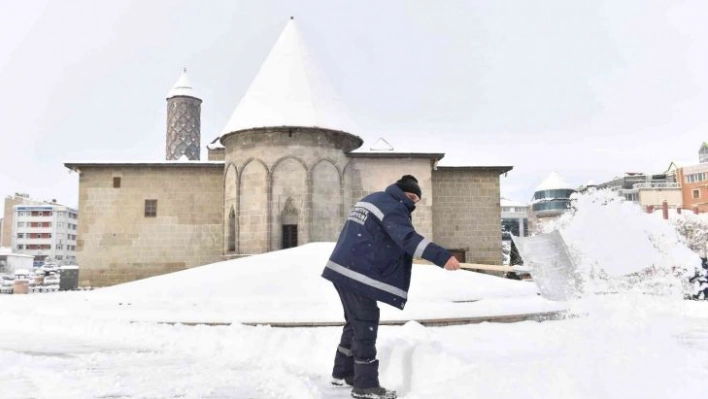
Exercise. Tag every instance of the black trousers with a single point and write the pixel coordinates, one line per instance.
(356, 354)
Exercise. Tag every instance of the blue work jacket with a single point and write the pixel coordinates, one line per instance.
(375, 250)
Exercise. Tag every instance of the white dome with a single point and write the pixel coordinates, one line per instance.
(182, 87)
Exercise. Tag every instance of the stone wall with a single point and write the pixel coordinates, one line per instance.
(301, 167)
(118, 243)
(467, 212)
(216, 154)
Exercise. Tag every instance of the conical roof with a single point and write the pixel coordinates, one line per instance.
(182, 87)
(552, 182)
(289, 90)
(381, 145)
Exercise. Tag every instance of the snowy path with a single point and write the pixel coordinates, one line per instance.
(619, 347)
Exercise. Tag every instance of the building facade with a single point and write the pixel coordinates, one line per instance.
(284, 171)
(693, 180)
(515, 218)
(8, 215)
(551, 198)
(47, 232)
(647, 190)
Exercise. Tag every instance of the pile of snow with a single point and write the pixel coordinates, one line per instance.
(286, 286)
(616, 246)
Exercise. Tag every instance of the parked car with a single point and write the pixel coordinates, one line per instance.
(6, 284)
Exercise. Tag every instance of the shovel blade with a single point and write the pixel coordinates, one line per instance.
(550, 265)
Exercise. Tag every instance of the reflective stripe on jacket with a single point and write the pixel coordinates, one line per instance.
(375, 250)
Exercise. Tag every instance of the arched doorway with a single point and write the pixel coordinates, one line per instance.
(289, 219)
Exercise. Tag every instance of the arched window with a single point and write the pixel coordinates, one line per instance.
(232, 230)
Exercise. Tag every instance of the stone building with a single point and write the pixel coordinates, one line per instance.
(284, 171)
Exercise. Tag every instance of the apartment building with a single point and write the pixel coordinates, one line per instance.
(48, 232)
(647, 190)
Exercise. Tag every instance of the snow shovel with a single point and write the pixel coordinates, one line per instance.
(550, 265)
(546, 258)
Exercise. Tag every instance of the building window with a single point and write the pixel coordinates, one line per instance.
(116, 182)
(20, 247)
(150, 208)
(696, 177)
(20, 235)
(696, 194)
(232, 230)
(20, 224)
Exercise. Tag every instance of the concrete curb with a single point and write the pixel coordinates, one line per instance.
(539, 317)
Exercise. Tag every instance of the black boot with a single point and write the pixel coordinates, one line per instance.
(366, 381)
(343, 372)
(346, 381)
(373, 393)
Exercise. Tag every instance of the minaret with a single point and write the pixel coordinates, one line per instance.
(183, 121)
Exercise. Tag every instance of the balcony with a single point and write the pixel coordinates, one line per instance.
(657, 186)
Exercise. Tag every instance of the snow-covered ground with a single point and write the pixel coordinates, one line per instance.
(628, 337)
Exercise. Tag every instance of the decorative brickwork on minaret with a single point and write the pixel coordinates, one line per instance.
(183, 122)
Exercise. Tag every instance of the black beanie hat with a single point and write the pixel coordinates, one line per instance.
(409, 184)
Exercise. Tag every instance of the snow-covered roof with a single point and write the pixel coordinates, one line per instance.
(215, 144)
(509, 203)
(553, 182)
(289, 90)
(76, 166)
(381, 145)
(182, 87)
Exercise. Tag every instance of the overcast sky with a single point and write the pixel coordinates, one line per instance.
(590, 89)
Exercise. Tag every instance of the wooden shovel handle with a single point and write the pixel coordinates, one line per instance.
(473, 266)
